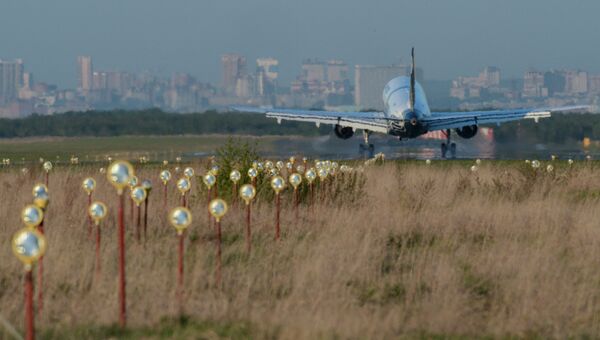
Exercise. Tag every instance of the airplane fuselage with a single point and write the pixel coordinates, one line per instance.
(406, 121)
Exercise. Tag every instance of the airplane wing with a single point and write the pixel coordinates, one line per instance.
(451, 120)
(373, 121)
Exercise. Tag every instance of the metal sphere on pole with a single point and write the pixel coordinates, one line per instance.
(29, 245)
(218, 208)
(165, 177)
(295, 180)
(180, 218)
(209, 180)
(97, 212)
(138, 195)
(184, 185)
(88, 185)
(278, 184)
(119, 174)
(247, 193)
(235, 177)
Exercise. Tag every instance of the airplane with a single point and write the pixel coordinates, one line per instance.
(406, 115)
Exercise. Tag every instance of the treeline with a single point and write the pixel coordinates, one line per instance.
(150, 122)
(560, 128)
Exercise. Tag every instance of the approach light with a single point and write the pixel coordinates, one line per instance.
(28, 245)
(183, 185)
(235, 176)
(278, 184)
(119, 175)
(247, 193)
(188, 172)
(217, 208)
(88, 185)
(209, 180)
(32, 215)
(165, 176)
(97, 212)
(180, 218)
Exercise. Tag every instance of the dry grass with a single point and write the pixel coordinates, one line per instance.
(426, 251)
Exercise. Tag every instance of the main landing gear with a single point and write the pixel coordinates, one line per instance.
(448, 143)
(366, 149)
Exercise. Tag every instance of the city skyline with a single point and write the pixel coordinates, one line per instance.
(452, 38)
(318, 84)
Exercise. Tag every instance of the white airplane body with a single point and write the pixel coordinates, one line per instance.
(406, 114)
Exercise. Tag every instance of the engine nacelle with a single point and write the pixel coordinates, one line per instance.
(467, 132)
(343, 132)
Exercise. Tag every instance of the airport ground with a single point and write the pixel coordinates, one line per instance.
(401, 250)
(193, 147)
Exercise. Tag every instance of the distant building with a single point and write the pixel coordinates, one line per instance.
(233, 68)
(267, 73)
(118, 82)
(313, 71)
(594, 83)
(244, 87)
(337, 71)
(27, 80)
(85, 73)
(321, 79)
(11, 80)
(369, 82)
(533, 84)
(26, 91)
(471, 87)
(99, 80)
(555, 82)
(337, 78)
(490, 76)
(576, 82)
(269, 67)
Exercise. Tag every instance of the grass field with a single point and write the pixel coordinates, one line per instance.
(402, 250)
(130, 147)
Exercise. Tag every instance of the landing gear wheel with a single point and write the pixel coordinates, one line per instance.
(453, 150)
(444, 150)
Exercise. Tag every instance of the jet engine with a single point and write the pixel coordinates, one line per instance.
(343, 132)
(467, 132)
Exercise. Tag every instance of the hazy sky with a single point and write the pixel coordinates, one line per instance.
(452, 37)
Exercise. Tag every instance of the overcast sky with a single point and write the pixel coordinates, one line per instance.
(452, 37)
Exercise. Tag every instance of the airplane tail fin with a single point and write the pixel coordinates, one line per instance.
(412, 80)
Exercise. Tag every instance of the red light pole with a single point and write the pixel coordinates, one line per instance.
(119, 174)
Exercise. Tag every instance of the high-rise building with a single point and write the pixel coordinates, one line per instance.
(233, 67)
(85, 73)
(533, 84)
(244, 87)
(369, 81)
(337, 71)
(267, 72)
(118, 82)
(576, 82)
(490, 76)
(594, 83)
(471, 87)
(313, 71)
(554, 81)
(27, 80)
(99, 80)
(11, 80)
(268, 66)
